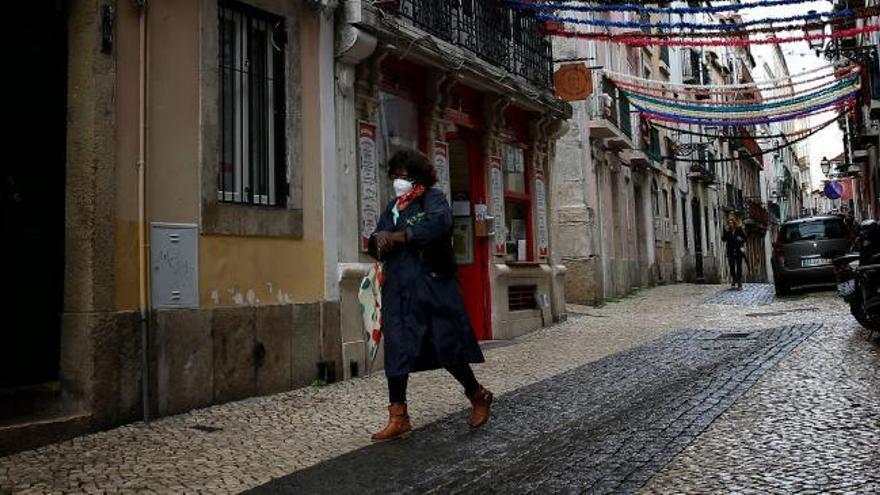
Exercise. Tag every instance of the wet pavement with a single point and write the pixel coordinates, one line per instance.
(605, 427)
(680, 389)
(749, 295)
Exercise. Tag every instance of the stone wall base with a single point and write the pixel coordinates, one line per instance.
(198, 357)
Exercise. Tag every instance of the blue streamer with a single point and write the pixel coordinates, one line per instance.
(698, 26)
(653, 10)
(750, 107)
(741, 122)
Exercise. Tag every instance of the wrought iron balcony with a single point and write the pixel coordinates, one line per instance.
(756, 213)
(746, 140)
(693, 70)
(664, 54)
(701, 173)
(610, 116)
(496, 33)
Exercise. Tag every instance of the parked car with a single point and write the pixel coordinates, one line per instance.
(799, 253)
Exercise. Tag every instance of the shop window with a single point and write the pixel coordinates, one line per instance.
(399, 129)
(400, 122)
(517, 204)
(253, 153)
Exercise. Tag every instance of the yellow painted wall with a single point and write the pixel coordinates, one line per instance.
(311, 128)
(275, 270)
(125, 249)
(241, 271)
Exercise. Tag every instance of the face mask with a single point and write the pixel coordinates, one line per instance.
(402, 186)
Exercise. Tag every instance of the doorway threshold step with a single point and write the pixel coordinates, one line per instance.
(34, 432)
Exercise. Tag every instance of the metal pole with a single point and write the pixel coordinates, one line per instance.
(847, 145)
(143, 295)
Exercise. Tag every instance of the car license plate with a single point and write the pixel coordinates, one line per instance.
(846, 289)
(815, 262)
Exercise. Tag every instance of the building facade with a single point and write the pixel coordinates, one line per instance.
(212, 168)
(470, 85)
(618, 215)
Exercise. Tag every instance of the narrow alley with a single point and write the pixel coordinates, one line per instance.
(684, 388)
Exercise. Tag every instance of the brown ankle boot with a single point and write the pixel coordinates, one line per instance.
(481, 400)
(398, 423)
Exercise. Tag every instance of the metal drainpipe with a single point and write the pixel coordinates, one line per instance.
(143, 297)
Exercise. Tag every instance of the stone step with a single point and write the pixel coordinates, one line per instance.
(37, 432)
(24, 403)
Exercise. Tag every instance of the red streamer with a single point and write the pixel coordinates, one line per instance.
(643, 41)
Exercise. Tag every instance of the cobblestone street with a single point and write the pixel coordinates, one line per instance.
(681, 388)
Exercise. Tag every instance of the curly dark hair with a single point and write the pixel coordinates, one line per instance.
(417, 165)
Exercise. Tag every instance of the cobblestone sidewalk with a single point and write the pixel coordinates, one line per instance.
(604, 427)
(810, 426)
(749, 295)
(232, 447)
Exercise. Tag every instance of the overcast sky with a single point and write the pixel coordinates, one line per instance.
(829, 141)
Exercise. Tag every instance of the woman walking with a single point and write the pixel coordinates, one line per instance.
(734, 239)
(424, 322)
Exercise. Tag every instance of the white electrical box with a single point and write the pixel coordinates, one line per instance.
(174, 265)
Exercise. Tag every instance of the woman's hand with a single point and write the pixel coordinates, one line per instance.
(398, 237)
(384, 244)
(388, 241)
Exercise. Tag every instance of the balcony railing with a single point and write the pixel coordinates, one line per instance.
(693, 70)
(701, 172)
(748, 142)
(503, 36)
(757, 213)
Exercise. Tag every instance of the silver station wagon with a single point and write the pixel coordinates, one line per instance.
(799, 253)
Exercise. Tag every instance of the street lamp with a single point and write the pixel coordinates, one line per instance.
(814, 31)
(826, 165)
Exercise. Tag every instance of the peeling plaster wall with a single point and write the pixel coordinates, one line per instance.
(258, 271)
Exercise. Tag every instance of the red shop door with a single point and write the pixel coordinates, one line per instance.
(468, 188)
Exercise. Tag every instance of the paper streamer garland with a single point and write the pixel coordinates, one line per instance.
(809, 132)
(660, 91)
(652, 115)
(630, 7)
(724, 137)
(734, 107)
(711, 97)
(772, 83)
(744, 114)
(728, 26)
(646, 41)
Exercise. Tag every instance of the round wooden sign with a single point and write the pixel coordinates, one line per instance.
(573, 82)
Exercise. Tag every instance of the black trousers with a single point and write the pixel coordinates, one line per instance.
(735, 262)
(461, 372)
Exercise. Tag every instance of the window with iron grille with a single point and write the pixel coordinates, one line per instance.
(252, 107)
(684, 223)
(669, 152)
(521, 297)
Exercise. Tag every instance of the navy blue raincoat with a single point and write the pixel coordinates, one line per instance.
(424, 322)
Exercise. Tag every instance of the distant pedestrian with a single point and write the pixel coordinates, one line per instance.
(734, 239)
(424, 322)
